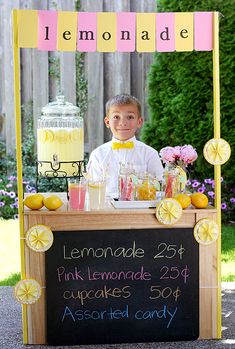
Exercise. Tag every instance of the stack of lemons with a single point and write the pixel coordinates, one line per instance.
(198, 200)
(37, 201)
(169, 210)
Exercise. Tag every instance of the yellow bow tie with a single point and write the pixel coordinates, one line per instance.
(127, 145)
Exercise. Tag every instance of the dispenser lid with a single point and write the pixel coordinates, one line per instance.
(60, 107)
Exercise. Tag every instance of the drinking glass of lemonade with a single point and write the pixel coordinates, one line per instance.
(77, 193)
(96, 190)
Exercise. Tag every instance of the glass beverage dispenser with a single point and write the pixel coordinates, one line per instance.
(60, 140)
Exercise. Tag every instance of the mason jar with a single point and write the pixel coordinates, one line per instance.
(146, 188)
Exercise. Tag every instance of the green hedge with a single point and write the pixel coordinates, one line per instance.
(180, 90)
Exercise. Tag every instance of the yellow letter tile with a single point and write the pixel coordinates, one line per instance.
(106, 32)
(67, 31)
(145, 32)
(184, 31)
(28, 28)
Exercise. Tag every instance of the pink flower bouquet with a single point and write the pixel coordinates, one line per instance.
(179, 155)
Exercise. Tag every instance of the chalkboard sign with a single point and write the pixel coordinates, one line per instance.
(120, 286)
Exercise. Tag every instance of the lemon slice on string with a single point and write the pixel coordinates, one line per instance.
(27, 291)
(39, 238)
(168, 211)
(206, 231)
(217, 151)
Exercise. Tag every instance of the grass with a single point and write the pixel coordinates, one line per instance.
(228, 253)
(10, 280)
(10, 253)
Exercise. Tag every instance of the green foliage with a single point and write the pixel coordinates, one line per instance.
(77, 4)
(7, 162)
(11, 280)
(81, 83)
(28, 142)
(180, 91)
(228, 253)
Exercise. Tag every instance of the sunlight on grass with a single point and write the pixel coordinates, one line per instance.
(9, 248)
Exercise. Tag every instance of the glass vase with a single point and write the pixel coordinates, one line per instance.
(181, 179)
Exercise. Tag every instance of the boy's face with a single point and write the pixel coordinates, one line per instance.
(123, 120)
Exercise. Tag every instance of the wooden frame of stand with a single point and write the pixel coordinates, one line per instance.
(32, 263)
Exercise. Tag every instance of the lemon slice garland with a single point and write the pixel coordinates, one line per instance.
(27, 291)
(206, 231)
(168, 211)
(217, 151)
(39, 238)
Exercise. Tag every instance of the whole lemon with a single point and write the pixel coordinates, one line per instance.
(52, 202)
(183, 199)
(199, 200)
(34, 201)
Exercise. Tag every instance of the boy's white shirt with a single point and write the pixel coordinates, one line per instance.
(106, 161)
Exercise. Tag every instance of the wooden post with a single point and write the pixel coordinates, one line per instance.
(217, 168)
(17, 105)
(140, 62)
(68, 65)
(40, 74)
(117, 69)
(8, 83)
(94, 123)
(2, 119)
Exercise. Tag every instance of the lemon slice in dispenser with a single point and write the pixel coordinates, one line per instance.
(75, 135)
(168, 211)
(49, 135)
(217, 151)
(39, 238)
(206, 231)
(42, 136)
(27, 291)
(62, 136)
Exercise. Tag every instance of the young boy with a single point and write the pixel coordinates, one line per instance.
(123, 117)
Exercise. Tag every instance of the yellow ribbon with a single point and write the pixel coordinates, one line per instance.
(127, 145)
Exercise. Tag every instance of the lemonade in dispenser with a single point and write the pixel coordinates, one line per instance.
(60, 140)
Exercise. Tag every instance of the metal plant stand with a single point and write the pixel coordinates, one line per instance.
(56, 172)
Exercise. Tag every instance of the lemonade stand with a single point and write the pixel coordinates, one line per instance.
(117, 275)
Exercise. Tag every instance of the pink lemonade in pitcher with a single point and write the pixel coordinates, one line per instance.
(77, 194)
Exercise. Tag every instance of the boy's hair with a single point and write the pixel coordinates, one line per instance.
(122, 99)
